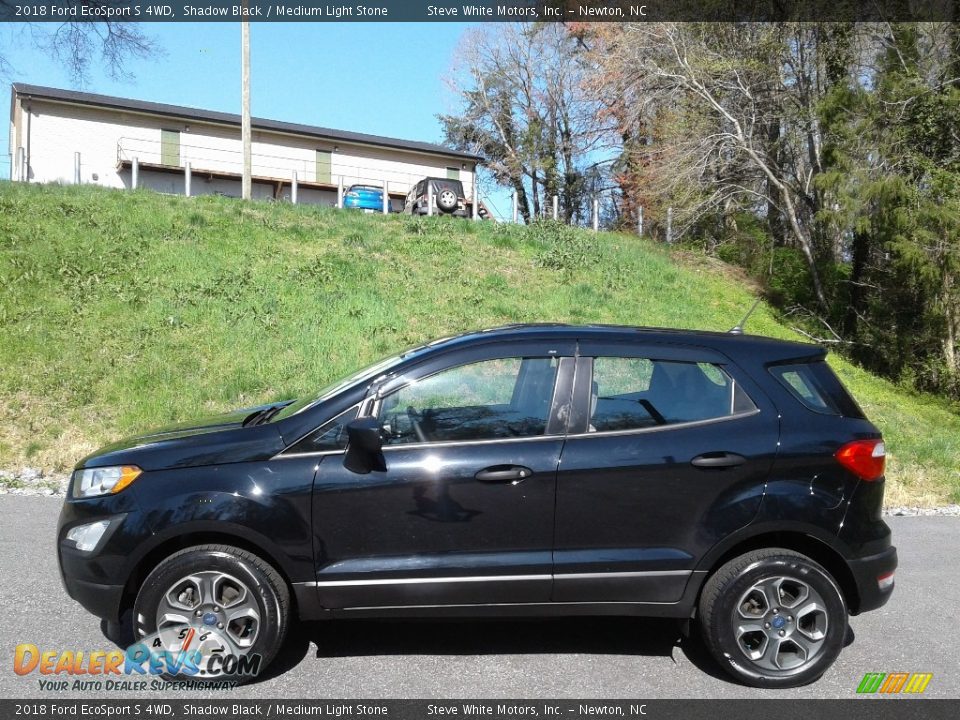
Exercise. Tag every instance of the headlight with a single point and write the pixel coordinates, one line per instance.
(87, 536)
(100, 481)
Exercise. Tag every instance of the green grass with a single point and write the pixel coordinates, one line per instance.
(123, 311)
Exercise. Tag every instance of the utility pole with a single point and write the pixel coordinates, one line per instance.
(247, 183)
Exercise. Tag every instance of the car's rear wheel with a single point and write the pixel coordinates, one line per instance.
(447, 200)
(773, 618)
(214, 601)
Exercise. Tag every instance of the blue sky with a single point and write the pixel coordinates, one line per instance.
(381, 78)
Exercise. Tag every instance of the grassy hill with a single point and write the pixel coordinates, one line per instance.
(123, 311)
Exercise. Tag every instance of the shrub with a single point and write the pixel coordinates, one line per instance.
(563, 247)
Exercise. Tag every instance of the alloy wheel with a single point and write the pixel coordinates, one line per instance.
(222, 610)
(780, 623)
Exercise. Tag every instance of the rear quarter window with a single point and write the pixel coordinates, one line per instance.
(816, 386)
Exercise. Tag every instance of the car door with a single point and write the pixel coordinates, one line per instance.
(464, 512)
(668, 451)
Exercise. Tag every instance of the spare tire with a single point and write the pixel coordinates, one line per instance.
(447, 200)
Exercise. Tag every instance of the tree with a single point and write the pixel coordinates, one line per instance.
(733, 105)
(900, 191)
(77, 44)
(522, 109)
(831, 142)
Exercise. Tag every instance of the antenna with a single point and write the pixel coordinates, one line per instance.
(738, 328)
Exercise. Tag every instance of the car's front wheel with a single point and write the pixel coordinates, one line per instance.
(773, 618)
(219, 612)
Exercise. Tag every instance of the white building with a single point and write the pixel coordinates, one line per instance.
(66, 136)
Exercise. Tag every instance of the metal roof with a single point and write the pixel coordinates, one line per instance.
(188, 113)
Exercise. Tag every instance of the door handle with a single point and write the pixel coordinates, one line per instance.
(512, 474)
(718, 460)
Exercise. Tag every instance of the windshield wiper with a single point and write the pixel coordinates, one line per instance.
(261, 416)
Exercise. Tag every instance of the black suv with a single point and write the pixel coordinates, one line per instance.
(526, 470)
(448, 198)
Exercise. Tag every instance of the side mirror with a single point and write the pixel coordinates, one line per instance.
(364, 447)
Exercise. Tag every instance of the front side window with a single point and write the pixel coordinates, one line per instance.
(489, 400)
(637, 393)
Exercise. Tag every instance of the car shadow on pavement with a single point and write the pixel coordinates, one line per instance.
(588, 635)
(558, 636)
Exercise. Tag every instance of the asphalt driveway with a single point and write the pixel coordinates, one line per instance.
(563, 658)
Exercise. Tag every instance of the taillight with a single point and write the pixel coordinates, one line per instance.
(864, 458)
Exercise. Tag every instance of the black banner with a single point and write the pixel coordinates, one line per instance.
(479, 11)
(785, 709)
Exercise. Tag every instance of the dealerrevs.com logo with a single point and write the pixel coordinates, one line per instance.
(899, 683)
(182, 659)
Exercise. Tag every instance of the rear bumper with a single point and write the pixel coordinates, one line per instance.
(459, 212)
(866, 573)
(369, 207)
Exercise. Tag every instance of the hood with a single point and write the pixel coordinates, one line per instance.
(213, 440)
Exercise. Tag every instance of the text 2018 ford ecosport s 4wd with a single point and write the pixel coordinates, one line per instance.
(526, 470)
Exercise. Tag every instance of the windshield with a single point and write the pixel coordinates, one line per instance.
(367, 373)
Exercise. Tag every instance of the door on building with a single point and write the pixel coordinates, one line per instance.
(170, 147)
(325, 167)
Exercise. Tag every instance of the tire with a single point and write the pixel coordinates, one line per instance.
(230, 598)
(773, 618)
(446, 200)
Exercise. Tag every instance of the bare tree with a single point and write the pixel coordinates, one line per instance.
(111, 43)
(718, 97)
(523, 109)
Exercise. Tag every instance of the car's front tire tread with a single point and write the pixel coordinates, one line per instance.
(274, 580)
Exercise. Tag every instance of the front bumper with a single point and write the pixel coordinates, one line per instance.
(867, 571)
(97, 578)
(104, 601)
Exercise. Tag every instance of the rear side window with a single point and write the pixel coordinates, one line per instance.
(637, 393)
(816, 387)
